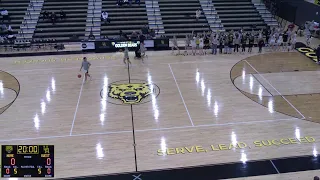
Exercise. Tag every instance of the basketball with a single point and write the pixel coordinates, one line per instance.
(79, 75)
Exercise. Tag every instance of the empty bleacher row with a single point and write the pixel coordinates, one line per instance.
(179, 19)
(67, 29)
(237, 14)
(17, 11)
(126, 18)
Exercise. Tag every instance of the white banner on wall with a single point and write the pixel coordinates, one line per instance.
(149, 43)
(87, 45)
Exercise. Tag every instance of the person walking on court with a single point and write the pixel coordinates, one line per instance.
(85, 67)
(260, 45)
(126, 56)
(175, 45)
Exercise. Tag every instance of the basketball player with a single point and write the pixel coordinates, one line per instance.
(285, 41)
(175, 45)
(85, 65)
(279, 42)
(214, 42)
(251, 42)
(243, 43)
(197, 43)
(237, 42)
(201, 45)
(186, 47)
(126, 56)
(293, 40)
(194, 46)
(272, 42)
(142, 51)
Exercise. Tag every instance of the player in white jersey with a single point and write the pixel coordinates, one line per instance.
(201, 45)
(187, 45)
(272, 42)
(194, 45)
(175, 45)
(126, 56)
(143, 51)
(293, 40)
(279, 42)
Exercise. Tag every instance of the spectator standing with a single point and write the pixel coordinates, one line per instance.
(145, 29)
(9, 29)
(120, 2)
(53, 17)
(198, 14)
(5, 15)
(134, 35)
(3, 27)
(105, 17)
(62, 14)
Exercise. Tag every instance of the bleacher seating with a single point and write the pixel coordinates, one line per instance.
(17, 10)
(126, 18)
(237, 14)
(63, 30)
(178, 17)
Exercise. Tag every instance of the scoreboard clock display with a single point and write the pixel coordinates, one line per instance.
(27, 161)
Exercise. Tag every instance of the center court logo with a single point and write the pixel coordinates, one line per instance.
(133, 93)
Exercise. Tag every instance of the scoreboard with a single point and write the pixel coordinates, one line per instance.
(27, 161)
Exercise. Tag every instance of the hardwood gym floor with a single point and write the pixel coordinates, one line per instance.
(194, 110)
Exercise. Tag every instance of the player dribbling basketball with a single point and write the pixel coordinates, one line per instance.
(85, 65)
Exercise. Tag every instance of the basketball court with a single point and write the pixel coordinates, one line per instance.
(169, 112)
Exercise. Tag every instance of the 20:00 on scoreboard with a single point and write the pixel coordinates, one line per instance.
(27, 161)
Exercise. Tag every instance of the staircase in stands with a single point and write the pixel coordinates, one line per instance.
(29, 23)
(126, 18)
(94, 18)
(154, 16)
(265, 14)
(70, 29)
(211, 15)
(179, 19)
(237, 14)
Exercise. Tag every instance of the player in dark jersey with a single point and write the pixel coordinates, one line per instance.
(285, 41)
(243, 42)
(251, 42)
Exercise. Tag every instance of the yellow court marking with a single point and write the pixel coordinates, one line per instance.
(235, 145)
(59, 60)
